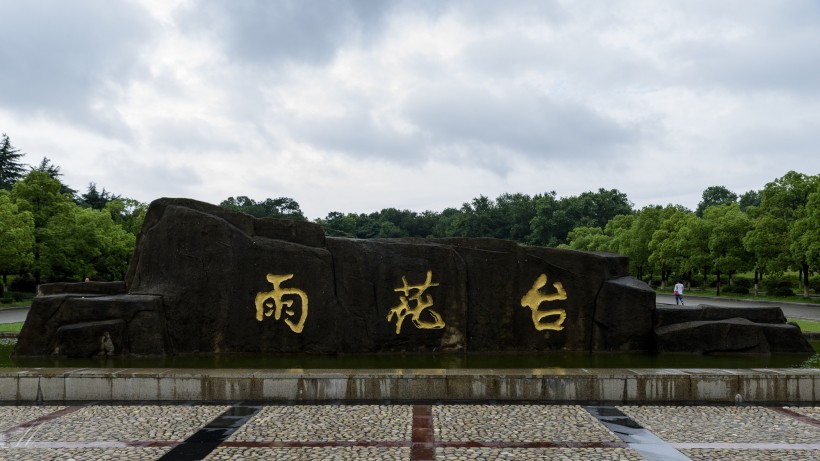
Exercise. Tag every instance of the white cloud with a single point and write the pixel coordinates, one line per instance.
(355, 105)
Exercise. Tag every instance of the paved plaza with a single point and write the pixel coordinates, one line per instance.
(244, 430)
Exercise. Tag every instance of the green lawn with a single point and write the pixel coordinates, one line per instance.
(807, 325)
(15, 327)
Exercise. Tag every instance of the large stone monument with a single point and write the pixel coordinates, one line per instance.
(204, 279)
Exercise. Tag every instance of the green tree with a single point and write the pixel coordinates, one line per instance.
(587, 239)
(84, 242)
(128, 213)
(619, 231)
(11, 170)
(54, 171)
(543, 229)
(515, 212)
(804, 237)
(767, 242)
(727, 225)
(749, 199)
(647, 221)
(16, 239)
(692, 243)
(785, 199)
(95, 199)
(665, 254)
(282, 207)
(715, 195)
(39, 194)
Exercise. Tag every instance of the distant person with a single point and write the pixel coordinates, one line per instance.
(679, 293)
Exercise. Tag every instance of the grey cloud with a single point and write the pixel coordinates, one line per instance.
(518, 120)
(64, 56)
(752, 46)
(274, 32)
(359, 133)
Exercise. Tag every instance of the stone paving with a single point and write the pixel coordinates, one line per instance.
(453, 432)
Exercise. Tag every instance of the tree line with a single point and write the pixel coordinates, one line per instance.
(50, 232)
(769, 232)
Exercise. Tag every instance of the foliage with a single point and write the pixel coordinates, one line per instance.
(11, 170)
(715, 195)
(54, 171)
(282, 207)
(85, 242)
(17, 237)
(95, 199)
(588, 239)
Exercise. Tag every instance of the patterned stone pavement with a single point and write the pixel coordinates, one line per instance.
(407, 432)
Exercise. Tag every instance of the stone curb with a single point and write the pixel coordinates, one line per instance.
(719, 386)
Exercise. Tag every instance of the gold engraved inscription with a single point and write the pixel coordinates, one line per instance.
(534, 298)
(421, 300)
(271, 303)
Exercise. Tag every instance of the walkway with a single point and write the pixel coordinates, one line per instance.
(790, 309)
(245, 430)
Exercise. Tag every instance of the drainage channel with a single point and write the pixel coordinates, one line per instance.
(204, 441)
(639, 439)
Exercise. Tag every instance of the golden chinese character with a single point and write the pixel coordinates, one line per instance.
(534, 298)
(422, 303)
(271, 303)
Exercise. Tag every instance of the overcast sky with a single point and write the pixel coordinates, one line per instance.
(360, 105)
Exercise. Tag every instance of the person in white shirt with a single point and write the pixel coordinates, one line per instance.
(679, 293)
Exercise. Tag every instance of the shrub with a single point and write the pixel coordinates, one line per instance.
(741, 282)
(6, 300)
(741, 290)
(783, 291)
(23, 285)
(20, 296)
(771, 285)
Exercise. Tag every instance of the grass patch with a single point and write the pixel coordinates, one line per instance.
(807, 325)
(13, 327)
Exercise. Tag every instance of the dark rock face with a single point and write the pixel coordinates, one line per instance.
(623, 316)
(707, 329)
(204, 279)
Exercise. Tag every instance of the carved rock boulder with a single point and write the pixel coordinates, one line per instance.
(204, 279)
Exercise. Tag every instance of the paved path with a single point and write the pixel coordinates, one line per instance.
(791, 310)
(244, 430)
(13, 314)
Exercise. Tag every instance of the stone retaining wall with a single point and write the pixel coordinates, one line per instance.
(555, 385)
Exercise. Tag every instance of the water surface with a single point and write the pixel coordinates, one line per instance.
(427, 360)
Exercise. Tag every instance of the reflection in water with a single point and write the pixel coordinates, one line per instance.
(418, 360)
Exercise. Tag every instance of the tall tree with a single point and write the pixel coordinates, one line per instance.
(39, 194)
(54, 171)
(749, 199)
(727, 226)
(804, 237)
(94, 199)
(665, 254)
(785, 199)
(587, 239)
(84, 242)
(16, 239)
(11, 169)
(715, 195)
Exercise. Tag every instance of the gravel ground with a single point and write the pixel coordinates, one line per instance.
(309, 423)
(385, 432)
(518, 423)
(127, 423)
(722, 424)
